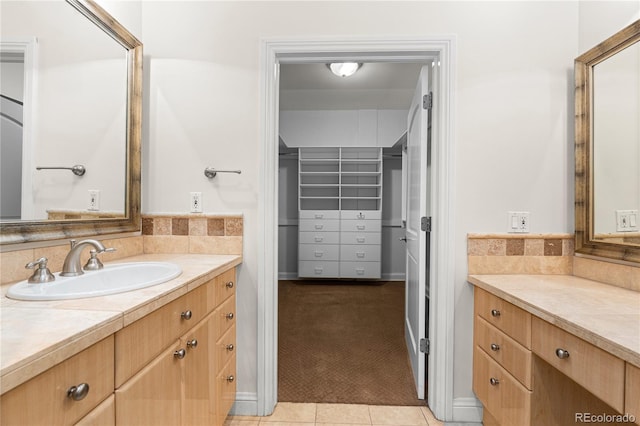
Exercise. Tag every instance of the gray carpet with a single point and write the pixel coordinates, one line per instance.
(343, 342)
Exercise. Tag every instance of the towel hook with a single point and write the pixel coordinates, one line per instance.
(210, 172)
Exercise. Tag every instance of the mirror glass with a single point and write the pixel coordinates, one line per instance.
(75, 107)
(616, 147)
(71, 83)
(607, 149)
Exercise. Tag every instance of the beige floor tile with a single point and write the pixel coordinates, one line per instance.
(290, 412)
(236, 422)
(342, 424)
(431, 419)
(398, 416)
(264, 423)
(343, 413)
(244, 418)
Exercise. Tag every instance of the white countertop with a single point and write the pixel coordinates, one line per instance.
(35, 336)
(604, 315)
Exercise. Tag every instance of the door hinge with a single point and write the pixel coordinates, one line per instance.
(425, 223)
(424, 346)
(427, 101)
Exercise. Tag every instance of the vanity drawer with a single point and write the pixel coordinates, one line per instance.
(598, 371)
(356, 253)
(154, 332)
(500, 393)
(103, 415)
(513, 321)
(225, 316)
(319, 269)
(373, 238)
(319, 238)
(515, 358)
(43, 400)
(225, 285)
(226, 347)
(226, 389)
(632, 392)
(318, 252)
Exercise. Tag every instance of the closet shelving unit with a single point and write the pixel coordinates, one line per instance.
(340, 201)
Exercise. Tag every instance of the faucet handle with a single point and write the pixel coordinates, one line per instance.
(93, 264)
(42, 274)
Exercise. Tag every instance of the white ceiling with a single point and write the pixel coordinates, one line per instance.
(380, 85)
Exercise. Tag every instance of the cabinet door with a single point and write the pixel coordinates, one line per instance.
(199, 403)
(103, 415)
(153, 396)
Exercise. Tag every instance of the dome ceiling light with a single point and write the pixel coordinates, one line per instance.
(344, 69)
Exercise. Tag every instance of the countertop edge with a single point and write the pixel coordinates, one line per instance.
(594, 338)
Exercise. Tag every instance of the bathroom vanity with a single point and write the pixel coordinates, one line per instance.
(160, 355)
(555, 349)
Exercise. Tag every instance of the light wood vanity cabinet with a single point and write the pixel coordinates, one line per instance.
(187, 382)
(527, 371)
(103, 415)
(44, 399)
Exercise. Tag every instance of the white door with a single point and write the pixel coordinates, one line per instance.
(418, 200)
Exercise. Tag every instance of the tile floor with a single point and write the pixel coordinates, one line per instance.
(294, 414)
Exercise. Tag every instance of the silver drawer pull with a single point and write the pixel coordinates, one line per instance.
(360, 254)
(360, 227)
(229, 284)
(230, 379)
(229, 316)
(319, 239)
(360, 216)
(319, 253)
(317, 270)
(186, 315)
(495, 313)
(495, 347)
(494, 381)
(360, 271)
(319, 226)
(318, 216)
(193, 343)
(180, 353)
(230, 347)
(78, 393)
(562, 353)
(360, 240)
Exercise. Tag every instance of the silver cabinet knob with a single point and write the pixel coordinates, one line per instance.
(494, 381)
(186, 315)
(193, 343)
(229, 316)
(495, 313)
(230, 347)
(180, 353)
(562, 353)
(78, 393)
(495, 347)
(230, 379)
(229, 284)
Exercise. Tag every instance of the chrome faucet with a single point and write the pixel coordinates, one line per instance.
(72, 266)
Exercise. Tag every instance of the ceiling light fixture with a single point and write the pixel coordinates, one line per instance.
(344, 69)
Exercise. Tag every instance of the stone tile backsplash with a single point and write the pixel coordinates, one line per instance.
(520, 254)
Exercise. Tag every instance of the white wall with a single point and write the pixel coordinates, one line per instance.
(512, 111)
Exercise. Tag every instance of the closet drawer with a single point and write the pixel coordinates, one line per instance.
(359, 269)
(515, 358)
(319, 225)
(361, 214)
(308, 268)
(356, 253)
(513, 321)
(319, 238)
(360, 226)
(598, 371)
(501, 394)
(360, 238)
(319, 214)
(318, 252)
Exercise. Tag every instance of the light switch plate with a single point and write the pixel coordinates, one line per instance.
(627, 221)
(518, 222)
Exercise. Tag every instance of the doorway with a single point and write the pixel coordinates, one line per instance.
(277, 52)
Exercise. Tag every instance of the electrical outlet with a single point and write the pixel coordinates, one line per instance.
(518, 222)
(94, 199)
(196, 202)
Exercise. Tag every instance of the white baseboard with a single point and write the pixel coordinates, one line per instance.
(287, 275)
(394, 276)
(466, 411)
(246, 404)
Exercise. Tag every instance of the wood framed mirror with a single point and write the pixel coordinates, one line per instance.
(607, 148)
(126, 127)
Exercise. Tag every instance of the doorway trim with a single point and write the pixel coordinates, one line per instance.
(320, 49)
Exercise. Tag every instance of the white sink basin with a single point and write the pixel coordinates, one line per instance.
(115, 278)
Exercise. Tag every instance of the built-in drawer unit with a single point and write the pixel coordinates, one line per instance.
(598, 371)
(632, 392)
(505, 316)
(65, 393)
(503, 396)
(319, 238)
(318, 252)
(324, 269)
(359, 269)
(511, 355)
